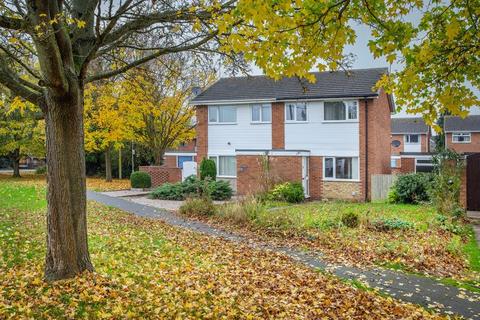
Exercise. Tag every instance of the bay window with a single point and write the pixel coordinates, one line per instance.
(341, 168)
(340, 110)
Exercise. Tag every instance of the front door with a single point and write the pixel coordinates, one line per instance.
(305, 178)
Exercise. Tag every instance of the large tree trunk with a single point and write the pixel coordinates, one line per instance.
(67, 247)
(108, 164)
(15, 160)
(158, 157)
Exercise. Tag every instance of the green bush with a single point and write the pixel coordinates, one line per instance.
(291, 192)
(140, 179)
(198, 206)
(192, 187)
(350, 219)
(41, 170)
(388, 224)
(208, 169)
(412, 188)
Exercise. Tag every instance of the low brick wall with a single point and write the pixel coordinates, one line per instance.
(161, 175)
(342, 190)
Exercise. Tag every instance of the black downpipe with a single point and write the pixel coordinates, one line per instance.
(366, 150)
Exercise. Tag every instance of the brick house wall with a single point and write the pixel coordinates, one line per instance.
(170, 161)
(161, 175)
(250, 172)
(379, 140)
(343, 190)
(278, 125)
(202, 132)
(315, 177)
(473, 146)
(397, 150)
(424, 143)
(406, 165)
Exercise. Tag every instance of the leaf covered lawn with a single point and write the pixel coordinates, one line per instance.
(146, 269)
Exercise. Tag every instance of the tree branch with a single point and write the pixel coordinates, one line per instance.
(12, 23)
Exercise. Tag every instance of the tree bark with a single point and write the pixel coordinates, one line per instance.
(67, 247)
(15, 159)
(108, 164)
(159, 157)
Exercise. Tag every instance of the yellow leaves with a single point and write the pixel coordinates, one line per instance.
(452, 29)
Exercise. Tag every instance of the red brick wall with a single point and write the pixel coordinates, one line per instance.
(379, 140)
(397, 150)
(407, 165)
(188, 146)
(463, 189)
(161, 175)
(202, 132)
(250, 172)
(278, 125)
(170, 161)
(424, 143)
(473, 146)
(316, 176)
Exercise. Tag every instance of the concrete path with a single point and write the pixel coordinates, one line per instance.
(410, 288)
(126, 193)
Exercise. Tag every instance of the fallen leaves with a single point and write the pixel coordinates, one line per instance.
(146, 269)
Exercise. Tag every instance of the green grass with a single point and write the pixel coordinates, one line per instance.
(472, 250)
(22, 197)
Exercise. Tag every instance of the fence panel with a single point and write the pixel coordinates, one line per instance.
(381, 184)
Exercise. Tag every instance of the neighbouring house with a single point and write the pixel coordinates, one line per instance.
(462, 135)
(331, 135)
(186, 151)
(410, 145)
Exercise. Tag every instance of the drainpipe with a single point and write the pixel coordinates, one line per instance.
(366, 151)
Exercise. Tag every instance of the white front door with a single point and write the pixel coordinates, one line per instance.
(305, 178)
(189, 168)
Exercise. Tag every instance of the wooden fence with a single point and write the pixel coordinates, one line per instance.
(380, 185)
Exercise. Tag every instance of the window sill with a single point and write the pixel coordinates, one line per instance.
(458, 142)
(222, 123)
(341, 121)
(340, 180)
(260, 122)
(295, 122)
(227, 177)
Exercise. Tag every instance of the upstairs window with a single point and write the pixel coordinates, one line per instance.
(296, 112)
(261, 113)
(462, 137)
(340, 110)
(222, 114)
(412, 138)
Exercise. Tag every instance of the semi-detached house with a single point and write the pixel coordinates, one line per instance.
(331, 135)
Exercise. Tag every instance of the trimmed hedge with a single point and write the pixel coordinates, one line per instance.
(140, 179)
(192, 187)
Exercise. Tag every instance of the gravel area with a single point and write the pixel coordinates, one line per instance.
(171, 205)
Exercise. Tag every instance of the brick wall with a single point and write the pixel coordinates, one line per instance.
(473, 146)
(170, 161)
(342, 190)
(202, 132)
(397, 150)
(315, 176)
(278, 125)
(250, 175)
(379, 139)
(424, 143)
(161, 175)
(463, 189)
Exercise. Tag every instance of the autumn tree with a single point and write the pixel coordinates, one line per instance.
(282, 37)
(21, 134)
(109, 121)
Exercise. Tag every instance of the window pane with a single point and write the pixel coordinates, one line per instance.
(212, 114)
(328, 167)
(291, 111)
(227, 166)
(343, 168)
(412, 138)
(266, 113)
(301, 112)
(352, 110)
(228, 114)
(334, 110)
(256, 113)
(355, 169)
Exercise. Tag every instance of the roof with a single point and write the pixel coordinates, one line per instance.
(470, 123)
(336, 84)
(408, 125)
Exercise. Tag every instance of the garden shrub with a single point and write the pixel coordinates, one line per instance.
(192, 187)
(208, 169)
(291, 192)
(243, 211)
(388, 224)
(41, 170)
(350, 219)
(198, 206)
(140, 179)
(412, 188)
(277, 219)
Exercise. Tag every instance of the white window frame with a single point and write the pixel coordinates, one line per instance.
(261, 105)
(462, 134)
(346, 103)
(217, 164)
(392, 159)
(334, 167)
(423, 164)
(406, 138)
(217, 108)
(295, 113)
